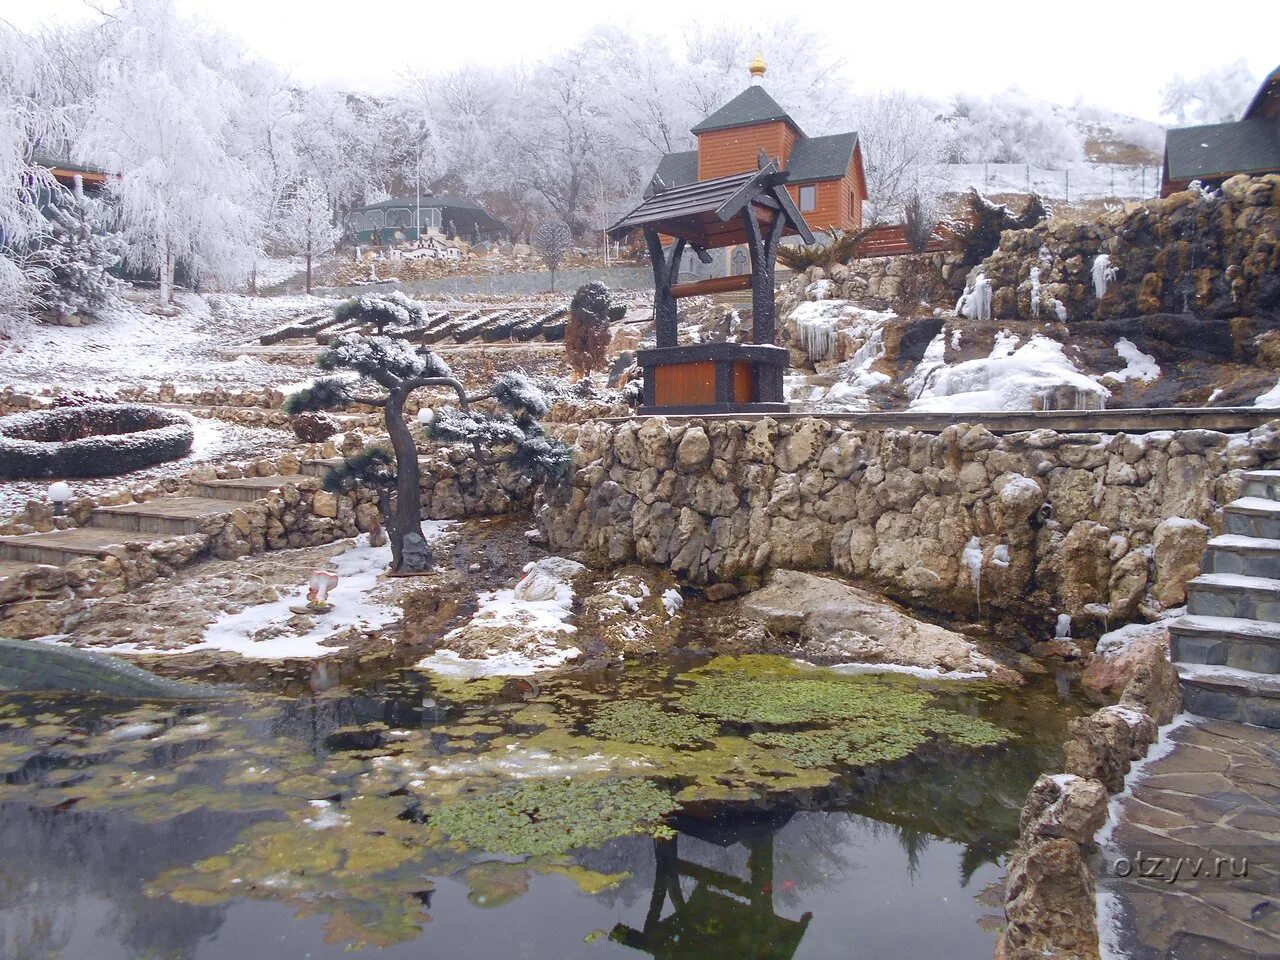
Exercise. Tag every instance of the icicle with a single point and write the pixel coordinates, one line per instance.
(1035, 293)
(1103, 274)
(975, 302)
(1063, 629)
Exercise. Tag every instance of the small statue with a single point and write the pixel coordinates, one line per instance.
(321, 582)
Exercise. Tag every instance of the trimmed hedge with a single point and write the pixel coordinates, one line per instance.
(96, 440)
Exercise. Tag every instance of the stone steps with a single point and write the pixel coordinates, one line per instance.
(1237, 642)
(172, 516)
(1234, 595)
(1227, 647)
(60, 547)
(1262, 483)
(1240, 696)
(1250, 556)
(1252, 517)
(243, 489)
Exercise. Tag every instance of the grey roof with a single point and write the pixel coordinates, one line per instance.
(752, 105)
(1223, 149)
(1270, 90)
(433, 200)
(822, 158)
(675, 170)
(465, 209)
(693, 207)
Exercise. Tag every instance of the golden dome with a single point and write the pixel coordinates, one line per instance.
(757, 66)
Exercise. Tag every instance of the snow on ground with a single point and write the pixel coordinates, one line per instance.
(1269, 399)
(1076, 181)
(531, 617)
(273, 271)
(1138, 365)
(196, 347)
(215, 441)
(924, 673)
(1011, 378)
(272, 631)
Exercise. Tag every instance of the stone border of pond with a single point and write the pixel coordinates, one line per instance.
(1050, 898)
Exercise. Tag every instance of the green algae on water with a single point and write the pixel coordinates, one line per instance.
(639, 721)
(554, 816)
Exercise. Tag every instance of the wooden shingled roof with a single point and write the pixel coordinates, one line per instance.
(705, 213)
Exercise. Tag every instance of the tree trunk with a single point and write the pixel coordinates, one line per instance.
(409, 547)
(166, 279)
(308, 268)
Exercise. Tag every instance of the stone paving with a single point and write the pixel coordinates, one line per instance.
(1210, 806)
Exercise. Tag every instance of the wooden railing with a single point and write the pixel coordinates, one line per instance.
(890, 240)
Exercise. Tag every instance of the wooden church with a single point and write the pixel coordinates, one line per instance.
(826, 179)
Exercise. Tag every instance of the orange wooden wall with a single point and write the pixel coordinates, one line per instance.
(722, 152)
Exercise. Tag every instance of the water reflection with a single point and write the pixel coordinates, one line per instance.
(887, 863)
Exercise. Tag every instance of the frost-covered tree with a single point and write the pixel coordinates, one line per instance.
(1214, 96)
(552, 241)
(399, 369)
(27, 123)
(306, 223)
(586, 335)
(162, 117)
(76, 255)
(902, 145)
(1011, 127)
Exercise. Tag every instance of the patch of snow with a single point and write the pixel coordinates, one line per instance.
(1269, 399)
(672, 601)
(1138, 365)
(327, 816)
(513, 663)
(955, 339)
(1118, 640)
(925, 673)
(1009, 379)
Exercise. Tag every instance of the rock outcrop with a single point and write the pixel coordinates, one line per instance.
(834, 622)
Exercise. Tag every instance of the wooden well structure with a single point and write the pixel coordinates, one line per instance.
(752, 208)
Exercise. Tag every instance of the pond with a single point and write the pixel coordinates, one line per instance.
(737, 807)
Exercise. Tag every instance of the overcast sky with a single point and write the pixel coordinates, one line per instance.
(1116, 54)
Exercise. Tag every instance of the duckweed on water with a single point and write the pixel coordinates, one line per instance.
(553, 816)
(639, 721)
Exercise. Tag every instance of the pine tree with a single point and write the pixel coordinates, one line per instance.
(399, 370)
(76, 254)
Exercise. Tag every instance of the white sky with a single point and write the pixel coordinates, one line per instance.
(1116, 54)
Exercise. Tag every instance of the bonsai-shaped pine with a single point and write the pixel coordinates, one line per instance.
(979, 238)
(551, 240)
(399, 370)
(383, 310)
(586, 335)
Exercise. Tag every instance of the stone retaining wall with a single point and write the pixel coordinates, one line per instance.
(1099, 527)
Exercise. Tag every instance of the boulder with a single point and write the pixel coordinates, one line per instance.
(1049, 905)
(1177, 545)
(836, 622)
(1132, 665)
(1062, 805)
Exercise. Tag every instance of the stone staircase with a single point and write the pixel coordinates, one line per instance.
(112, 526)
(1227, 647)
